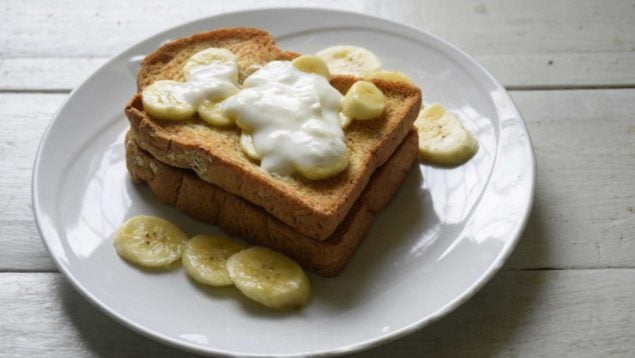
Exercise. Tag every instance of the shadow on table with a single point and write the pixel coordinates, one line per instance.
(103, 336)
(492, 322)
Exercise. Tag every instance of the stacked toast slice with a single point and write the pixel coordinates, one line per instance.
(202, 170)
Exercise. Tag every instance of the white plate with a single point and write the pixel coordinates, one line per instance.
(444, 235)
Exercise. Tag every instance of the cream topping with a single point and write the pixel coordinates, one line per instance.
(292, 117)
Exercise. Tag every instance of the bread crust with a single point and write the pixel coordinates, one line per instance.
(251, 46)
(237, 216)
(314, 208)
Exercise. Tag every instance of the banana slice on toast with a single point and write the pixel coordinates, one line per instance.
(205, 57)
(344, 119)
(211, 113)
(247, 144)
(353, 60)
(363, 101)
(442, 138)
(149, 241)
(205, 256)
(270, 278)
(167, 100)
(389, 75)
(311, 64)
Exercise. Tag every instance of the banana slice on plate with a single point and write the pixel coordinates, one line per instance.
(345, 59)
(270, 278)
(247, 144)
(363, 101)
(205, 57)
(204, 258)
(442, 138)
(149, 241)
(390, 76)
(210, 112)
(167, 100)
(311, 64)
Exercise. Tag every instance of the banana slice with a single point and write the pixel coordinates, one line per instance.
(205, 57)
(211, 113)
(363, 101)
(167, 100)
(247, 144)
(270, 278)
(149, 241)
(344, 119)
(389, 75)
(442, 137)
(352, 60)
(317, 172)
(311, 64)
(204, 259)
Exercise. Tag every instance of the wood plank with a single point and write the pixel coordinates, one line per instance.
(43, 316)
(519, 313)
(504, 26)
(25, 116)
(46, 74)
(561, 70)
(573, 313)
(524, 44)
(584, 209)
(584, 142)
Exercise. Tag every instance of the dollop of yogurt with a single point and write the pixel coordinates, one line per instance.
(292, 117)
(215, 82)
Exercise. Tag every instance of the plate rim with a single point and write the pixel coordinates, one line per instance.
(450, 306)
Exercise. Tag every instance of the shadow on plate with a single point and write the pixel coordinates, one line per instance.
(249, 306)
(490, 323)
(407, 221)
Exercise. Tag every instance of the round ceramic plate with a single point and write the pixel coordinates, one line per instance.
(442, 237)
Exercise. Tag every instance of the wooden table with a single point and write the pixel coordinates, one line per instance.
(568, 289)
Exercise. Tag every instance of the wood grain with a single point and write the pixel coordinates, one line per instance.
(36, 29)
(46, 74)
(24, 118)
(585, 313)
(568, 288)
(583, 215)
(542, 44)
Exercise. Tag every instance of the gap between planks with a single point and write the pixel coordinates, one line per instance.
(569, 88)
(508, 88)
(36, 91)
(48, 271)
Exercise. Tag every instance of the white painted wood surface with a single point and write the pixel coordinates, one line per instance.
(568, 288)
(577, 313)
(539, 44)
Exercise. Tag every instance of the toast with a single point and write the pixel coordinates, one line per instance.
(236, 216)
(313, 208)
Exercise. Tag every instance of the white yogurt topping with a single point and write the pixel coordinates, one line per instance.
(293, 120)
(215, 82)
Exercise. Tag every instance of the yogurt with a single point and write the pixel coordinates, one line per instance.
(292, 117)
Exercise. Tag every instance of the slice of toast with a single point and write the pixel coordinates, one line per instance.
(314, 208)
(252, 47)
(235, 215)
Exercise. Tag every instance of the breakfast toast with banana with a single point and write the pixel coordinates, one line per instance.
(312, 209)
(208, 203)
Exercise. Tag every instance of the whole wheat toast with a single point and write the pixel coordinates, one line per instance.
(314, 208)
(207, 202)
